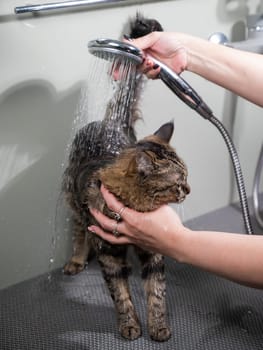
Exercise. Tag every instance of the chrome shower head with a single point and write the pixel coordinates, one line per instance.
(111, 49)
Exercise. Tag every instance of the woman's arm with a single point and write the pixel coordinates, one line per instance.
(236, 70)
(237, 257)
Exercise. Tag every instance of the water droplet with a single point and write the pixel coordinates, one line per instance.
(53, 241)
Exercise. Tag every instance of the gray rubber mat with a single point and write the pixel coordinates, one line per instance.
(57, 312)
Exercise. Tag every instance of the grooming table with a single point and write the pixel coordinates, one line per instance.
(58, 312)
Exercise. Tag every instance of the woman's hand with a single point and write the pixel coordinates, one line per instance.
(166, 48)
(152, 230)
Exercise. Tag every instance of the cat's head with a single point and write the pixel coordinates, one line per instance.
(148, 174)
(160, 169)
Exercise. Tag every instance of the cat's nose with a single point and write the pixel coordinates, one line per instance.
(186, 188)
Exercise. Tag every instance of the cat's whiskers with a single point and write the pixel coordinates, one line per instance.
(153, 200)
(180, 210)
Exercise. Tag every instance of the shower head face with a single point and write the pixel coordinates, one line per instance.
(110, 49)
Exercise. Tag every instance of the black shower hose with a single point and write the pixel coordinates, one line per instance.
(237, 171)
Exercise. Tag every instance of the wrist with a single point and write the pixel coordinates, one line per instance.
(186, 43)
(180, 245)
(196, 52)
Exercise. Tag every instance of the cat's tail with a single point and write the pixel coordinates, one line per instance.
(123, 109)
(139, 26)
(126, 104)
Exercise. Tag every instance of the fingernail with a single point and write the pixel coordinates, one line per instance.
(155, 66)
(127, 37)
(91, 229)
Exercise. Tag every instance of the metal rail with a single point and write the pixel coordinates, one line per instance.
(63, 5)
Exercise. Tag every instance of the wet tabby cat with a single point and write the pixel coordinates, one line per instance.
(143, 175)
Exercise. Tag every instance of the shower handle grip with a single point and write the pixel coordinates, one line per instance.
(183, 90)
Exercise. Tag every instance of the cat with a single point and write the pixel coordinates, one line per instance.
(142, 174)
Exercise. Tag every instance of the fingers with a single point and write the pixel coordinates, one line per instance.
(149, 68)
(109, 236)
(109, 227)
(108, 224)
(112, 203)
(146, 41)
(116, 206)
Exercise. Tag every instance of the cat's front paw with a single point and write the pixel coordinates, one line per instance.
(131, 331)
(160, 333)
(73, 267)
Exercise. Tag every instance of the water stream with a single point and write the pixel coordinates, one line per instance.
(108, 94)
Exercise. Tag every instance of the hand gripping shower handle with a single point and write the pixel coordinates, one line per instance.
(183, 90)
(179, 86)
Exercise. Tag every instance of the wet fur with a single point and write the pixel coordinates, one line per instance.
(143, 175)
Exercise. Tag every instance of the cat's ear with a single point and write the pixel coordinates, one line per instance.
(144, 164)
(165, 132)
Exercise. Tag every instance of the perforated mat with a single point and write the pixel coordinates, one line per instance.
(60, 312)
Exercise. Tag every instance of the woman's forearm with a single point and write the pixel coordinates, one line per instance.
(236, 70)
(237, 257)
